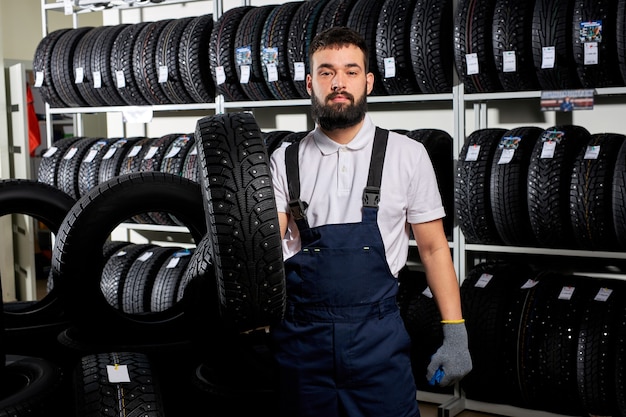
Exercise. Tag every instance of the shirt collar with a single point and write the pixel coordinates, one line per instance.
(328, 146)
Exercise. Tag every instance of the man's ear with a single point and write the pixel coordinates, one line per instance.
(309, 84)
(370, 82)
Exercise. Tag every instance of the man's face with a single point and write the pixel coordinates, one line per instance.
(339, 86)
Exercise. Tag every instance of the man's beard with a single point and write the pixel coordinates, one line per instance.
(338, 115)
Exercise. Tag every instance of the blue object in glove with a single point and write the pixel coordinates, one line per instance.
(436, 379)
(452, 360)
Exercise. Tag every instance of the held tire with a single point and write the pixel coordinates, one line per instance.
(242, 219)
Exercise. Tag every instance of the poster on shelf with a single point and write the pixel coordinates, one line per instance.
(567, 100)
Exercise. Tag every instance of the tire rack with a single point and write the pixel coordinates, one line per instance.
(463, 254)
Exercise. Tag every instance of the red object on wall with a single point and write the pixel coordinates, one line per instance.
(34, 134)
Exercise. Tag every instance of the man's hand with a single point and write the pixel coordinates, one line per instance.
(452, 360)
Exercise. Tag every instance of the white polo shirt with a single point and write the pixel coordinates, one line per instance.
(332, 179)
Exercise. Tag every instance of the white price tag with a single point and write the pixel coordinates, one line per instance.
(509, 61)
(299, 71)
(472, 153)
(134, 151)
(592, 152)
(566, 293)
(272, 72)
(38, 79)
(529, 284)
(548, 57)
(145, 256)
(163, 74)
(173, 262)
(151, 152)
(120, 80)
(79, 75)
(244, 77)
(390, 67)
(471, 61)
(547, 150)
(97, 79)
(91, 155)
(118, 373)
(591, 53)
(173, 152)
(603, 294)
(70, 154)
(51, 151)
(109, 153)
(220, 75)
(483, 280)
(506, 157)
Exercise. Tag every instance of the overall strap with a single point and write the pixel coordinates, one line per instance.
(371, 193)
(297, 207)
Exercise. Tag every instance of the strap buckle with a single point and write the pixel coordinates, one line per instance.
(298, 209)
(371, 196)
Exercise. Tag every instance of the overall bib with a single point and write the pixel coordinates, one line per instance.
(342, 348)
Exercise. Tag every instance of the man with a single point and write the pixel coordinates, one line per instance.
(567, 104)
(342, 348)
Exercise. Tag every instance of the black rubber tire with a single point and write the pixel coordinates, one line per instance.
(393, 41)
(274, 36)
(31, 327)
(552, 28)
(547, 349)
(335, 13)
(606, 73)
(168, 280)
(121, 62)
(472, 197)
(47, 172)
(137, 288)
(242, 219)
(618, 197)
(193, 59)
(78, 262)
(597, 344)
(509, 187)
(591, 193)
(145, 70)
(167, 50)
(473, 35)
(487, 296)
(549, 176)
(115, 271)
(301, 33)
(512, 31)
(101, 63)
(83, 58)
(43, 70)
(31, 387)
(96, 396)
(88, 171)
(221, 53)
(248, 52)
(112, 161)
(430, 36)
(363, 18)
(69, 166)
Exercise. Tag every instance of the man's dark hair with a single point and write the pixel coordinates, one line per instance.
(337, 37)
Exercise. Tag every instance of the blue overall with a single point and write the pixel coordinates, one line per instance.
(342, 348)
